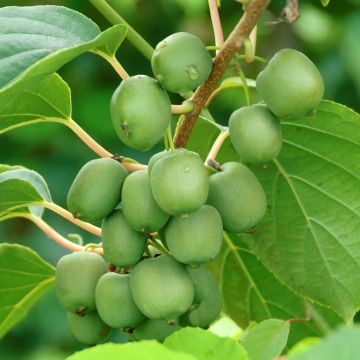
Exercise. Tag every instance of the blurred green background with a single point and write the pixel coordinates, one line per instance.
(329, 36)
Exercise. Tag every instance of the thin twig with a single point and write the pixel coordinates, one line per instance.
(216, 24)
(234, 42)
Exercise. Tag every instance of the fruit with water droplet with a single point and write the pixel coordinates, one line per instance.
(96, 189)
(76, 277)
(123, 246)
(290, 84)
(114, 301)
(139, 206)
(255, 133)
(238, 196)
(89, 329)
(161, 288)
(140, 112)
(179, 182)
(195, 238)
(181, 62)
(154, 329)
(207, 302)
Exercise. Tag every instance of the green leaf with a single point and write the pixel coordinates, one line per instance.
(48, 100)
(24, 279)
(325, 2)
(267, 340)
(205, 345)
(252, 293)
(310, 236)
(149, 350)
(340, 345)
(20, 188)
(37, 40)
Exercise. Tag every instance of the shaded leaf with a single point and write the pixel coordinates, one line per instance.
(24, 279)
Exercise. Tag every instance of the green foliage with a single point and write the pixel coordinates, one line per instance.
(140, 112)
(185, 186)
(24, 278)
(89, 328)
(161, 288)
(255, 133)
(238, 196)
(19, 189)
(205, 345)
(99, 179)
(196, 238)
(76, 277)
(144, 215)
(181, 62)
(290, 85)
(114, 302)
(122, 245)
(267, 340)
(54, 46)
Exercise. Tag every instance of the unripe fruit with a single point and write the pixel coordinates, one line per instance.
(161, 288)
(238, 196)
(255, 133)
(157, 157)
(181, 62)
(139, 206)
(154, 329)
(207, 302)
(179, 182)
(140, 112)
(290, 84)
(89, 329)
(195, 238)
(114, 301)
(96, 189)
(122, 245)
(76, 277)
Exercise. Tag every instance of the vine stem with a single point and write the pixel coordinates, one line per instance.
(97, 148)
(242, 30)
(113, 61)
(132, 35)
(68, 216)
(216, 24)
(58, 238)
(216, 146)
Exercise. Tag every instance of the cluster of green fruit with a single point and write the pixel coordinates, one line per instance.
(177, 205)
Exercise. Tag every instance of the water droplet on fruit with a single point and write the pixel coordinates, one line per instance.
(193, 74)
(187, 169)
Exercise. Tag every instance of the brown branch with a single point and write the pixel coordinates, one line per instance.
(248, 21)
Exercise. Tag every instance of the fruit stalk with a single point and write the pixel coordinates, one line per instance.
(216, 146)
(216, 23)
(248, 21)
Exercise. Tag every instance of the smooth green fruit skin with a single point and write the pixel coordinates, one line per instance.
(195, 238)
(255, 133)
(157, 157)
(181, 62)
(207, 298)
(139, 206)
(114, 301)
(179, 182)
(161, 288)
(96, 189)
(76, 277)
(140, 111)
(123, 246)
(89, 329)
(154, 329)
(290, 84)
(238, 196)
